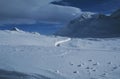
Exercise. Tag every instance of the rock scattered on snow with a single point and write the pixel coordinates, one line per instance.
(71, 63)
(79, 65)
(115, 67)
(57, 71)
(87, 67)
(90, 60)
(95, 64)
(94, 70)
(109, 63)
(76, 72)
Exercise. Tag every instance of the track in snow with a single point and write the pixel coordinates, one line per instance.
(58, 43)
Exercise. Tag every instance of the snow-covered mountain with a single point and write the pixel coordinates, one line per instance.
(42, 28)
(93, 25)
(85, 15)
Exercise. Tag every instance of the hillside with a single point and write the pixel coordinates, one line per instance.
(34, 56)
(97, 26)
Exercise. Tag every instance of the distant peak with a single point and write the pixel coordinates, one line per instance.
(15, 29)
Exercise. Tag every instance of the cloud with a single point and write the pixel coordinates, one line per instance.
(99, 6)
(30, 11)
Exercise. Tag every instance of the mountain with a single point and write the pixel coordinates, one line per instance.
(116, 14)
(42, 28)
(93, 26)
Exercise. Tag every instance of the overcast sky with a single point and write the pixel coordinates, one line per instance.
(30, 11)
(99, 6)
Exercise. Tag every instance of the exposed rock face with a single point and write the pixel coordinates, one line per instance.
(116, 14)
(93, 26)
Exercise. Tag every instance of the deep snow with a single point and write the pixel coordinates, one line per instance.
(32, 53)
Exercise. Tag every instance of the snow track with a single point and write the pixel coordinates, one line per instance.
(62, 41)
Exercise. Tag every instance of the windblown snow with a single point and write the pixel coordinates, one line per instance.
(34, 56)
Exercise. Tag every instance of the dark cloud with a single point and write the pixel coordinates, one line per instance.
(100, 6)
(29, 11)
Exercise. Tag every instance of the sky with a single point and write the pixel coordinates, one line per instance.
(32, 11)
(98, 6)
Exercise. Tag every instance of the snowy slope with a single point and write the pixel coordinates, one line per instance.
(97, 26)
(33, 54)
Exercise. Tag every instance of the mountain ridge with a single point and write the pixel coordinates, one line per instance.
(96, 26)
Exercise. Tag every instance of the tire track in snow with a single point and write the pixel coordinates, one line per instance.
(58, 43)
